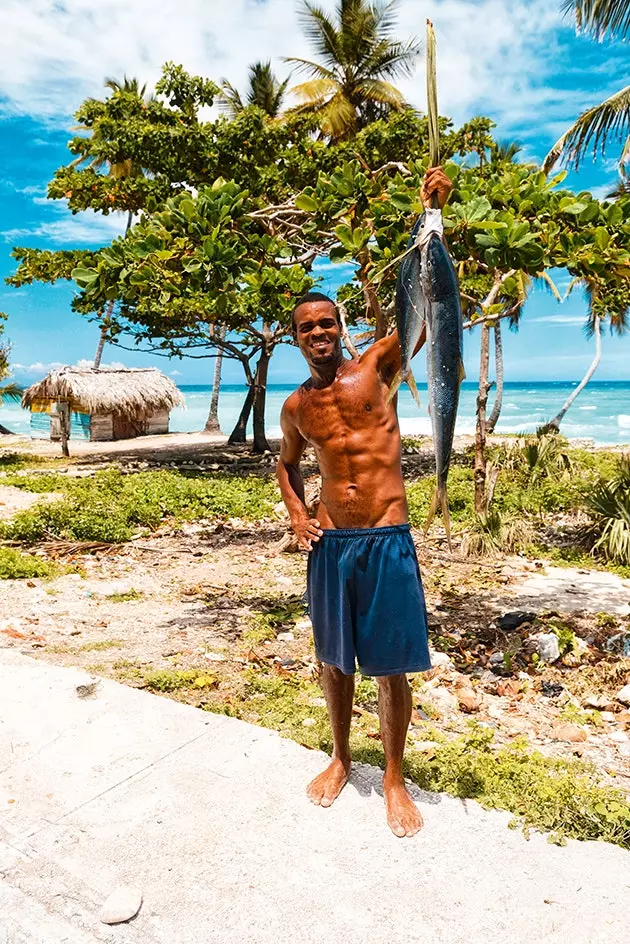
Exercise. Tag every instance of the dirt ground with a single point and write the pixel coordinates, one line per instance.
(193, 597)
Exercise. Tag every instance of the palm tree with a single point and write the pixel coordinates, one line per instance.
(265, 91)
(349, 86)
(619, 322)
(9, 392)
(611, 118)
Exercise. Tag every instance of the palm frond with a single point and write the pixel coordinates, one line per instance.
(315, 93)
(11, 392)
(390, 59)
(600, 17)
(229, 98)
(315, 69)
(321, 32)
(592, 130)
(375, 90)
(551, 285)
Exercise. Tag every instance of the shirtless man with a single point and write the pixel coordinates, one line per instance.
(365, 594)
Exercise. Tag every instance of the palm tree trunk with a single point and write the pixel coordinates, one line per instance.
(498, 362)
(480, 432)
(105, 325)
(555, 422)
(212, 423)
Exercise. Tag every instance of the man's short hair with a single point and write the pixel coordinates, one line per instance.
(313, 297)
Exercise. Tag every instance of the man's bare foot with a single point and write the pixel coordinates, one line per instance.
(403, 816)
(324, 789)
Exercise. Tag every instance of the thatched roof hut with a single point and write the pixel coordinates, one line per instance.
(104, 404)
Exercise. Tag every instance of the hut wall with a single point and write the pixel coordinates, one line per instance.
(46, 426)
(101, 427)
(156, 423)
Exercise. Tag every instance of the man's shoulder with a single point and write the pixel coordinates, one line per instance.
(292, 403)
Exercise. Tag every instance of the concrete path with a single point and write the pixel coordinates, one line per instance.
(208, 816)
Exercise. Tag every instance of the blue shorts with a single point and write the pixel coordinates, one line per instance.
(366, 601)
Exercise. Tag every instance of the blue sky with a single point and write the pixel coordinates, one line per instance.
(517, 61)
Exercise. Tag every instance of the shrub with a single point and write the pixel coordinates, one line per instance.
(14, 565)
(609, 507)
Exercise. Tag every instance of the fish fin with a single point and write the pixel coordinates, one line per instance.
(411, 383)
(393, 389)
(462, 371)
(440, 501)
(446, 517)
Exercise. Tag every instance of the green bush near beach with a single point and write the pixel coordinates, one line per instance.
(110, 506)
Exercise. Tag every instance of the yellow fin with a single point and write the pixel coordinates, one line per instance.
(393, 390)
(462, 371)
(411, 383)
(440, 501)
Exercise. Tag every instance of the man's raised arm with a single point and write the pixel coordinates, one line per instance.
(291, 482)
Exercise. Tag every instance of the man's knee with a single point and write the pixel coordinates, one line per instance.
(392, 683)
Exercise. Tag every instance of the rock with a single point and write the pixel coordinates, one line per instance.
(309, 722)
(514, 619)
(619, 643)
(565, 731)
(551, 689)
(624, 695)
(441, 659)
(303, 625)
(497, 658)
(548, 647)
(123, 904)
(285, 637)
(619, 736)
(607, 716)
(214, 657)
(469, 700)
(596, 701)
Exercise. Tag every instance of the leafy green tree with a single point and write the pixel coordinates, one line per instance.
(610, 119)
(349, 85)
(265, 91)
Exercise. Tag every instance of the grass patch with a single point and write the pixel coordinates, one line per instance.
(11, 461)
(100, 645)
(15, 566)
(110, 506)
(172, 680)
(125, 597)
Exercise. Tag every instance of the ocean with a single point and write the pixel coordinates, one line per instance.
(601, 412)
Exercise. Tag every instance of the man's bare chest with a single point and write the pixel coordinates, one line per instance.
(353, 403)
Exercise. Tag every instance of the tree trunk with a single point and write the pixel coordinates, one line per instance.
(212, 423)
(498, 362)
(107, 320)
(260, 397)
(239, 433)
(480, 432)
(555, 422)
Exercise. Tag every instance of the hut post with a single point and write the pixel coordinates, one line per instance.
(63, 411)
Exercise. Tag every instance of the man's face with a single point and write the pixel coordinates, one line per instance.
(317, 333)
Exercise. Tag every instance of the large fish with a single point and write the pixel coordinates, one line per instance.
(445, 367)
(410, 312)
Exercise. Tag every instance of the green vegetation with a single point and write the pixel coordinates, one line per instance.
(125, 597)
(173, 680)
(101, 644)
(110, 506)
(609, 506)
(14, 565)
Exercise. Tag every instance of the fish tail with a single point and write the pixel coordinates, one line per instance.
(440, 502)
(462, 370)
(393, 389)
(411, 383)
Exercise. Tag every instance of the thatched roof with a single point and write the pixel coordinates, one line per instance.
(129, 391)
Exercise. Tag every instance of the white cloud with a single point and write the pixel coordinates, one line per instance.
(38, 367)
(493, 55)
(87, 228)
(86, 363)
(562, 320)
(176, 373)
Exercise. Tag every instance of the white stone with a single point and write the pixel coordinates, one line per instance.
(440, 659)
(619, 736)
(214, 657)
(624, 695)
(548, 647)
(285, 637)
(122, 905)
